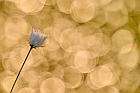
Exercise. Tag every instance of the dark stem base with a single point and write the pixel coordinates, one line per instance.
(20, 70)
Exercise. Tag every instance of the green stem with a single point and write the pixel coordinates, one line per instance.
(20, 70)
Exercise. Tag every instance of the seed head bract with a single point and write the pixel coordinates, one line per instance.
(36, 38)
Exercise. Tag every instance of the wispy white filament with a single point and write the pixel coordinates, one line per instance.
(36, 38)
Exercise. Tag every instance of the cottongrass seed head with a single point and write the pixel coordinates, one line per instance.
(36, 38)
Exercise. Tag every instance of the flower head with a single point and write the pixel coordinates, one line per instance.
(36, 38)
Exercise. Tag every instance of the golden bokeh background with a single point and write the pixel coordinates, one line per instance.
(92, 46)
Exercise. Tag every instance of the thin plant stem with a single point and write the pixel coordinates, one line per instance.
(20, 70)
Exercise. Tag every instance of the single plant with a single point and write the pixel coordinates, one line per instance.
(36, 39)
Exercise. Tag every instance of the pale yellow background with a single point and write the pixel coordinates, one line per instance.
(92, 46)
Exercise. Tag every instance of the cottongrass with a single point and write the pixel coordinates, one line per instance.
(36, 39)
